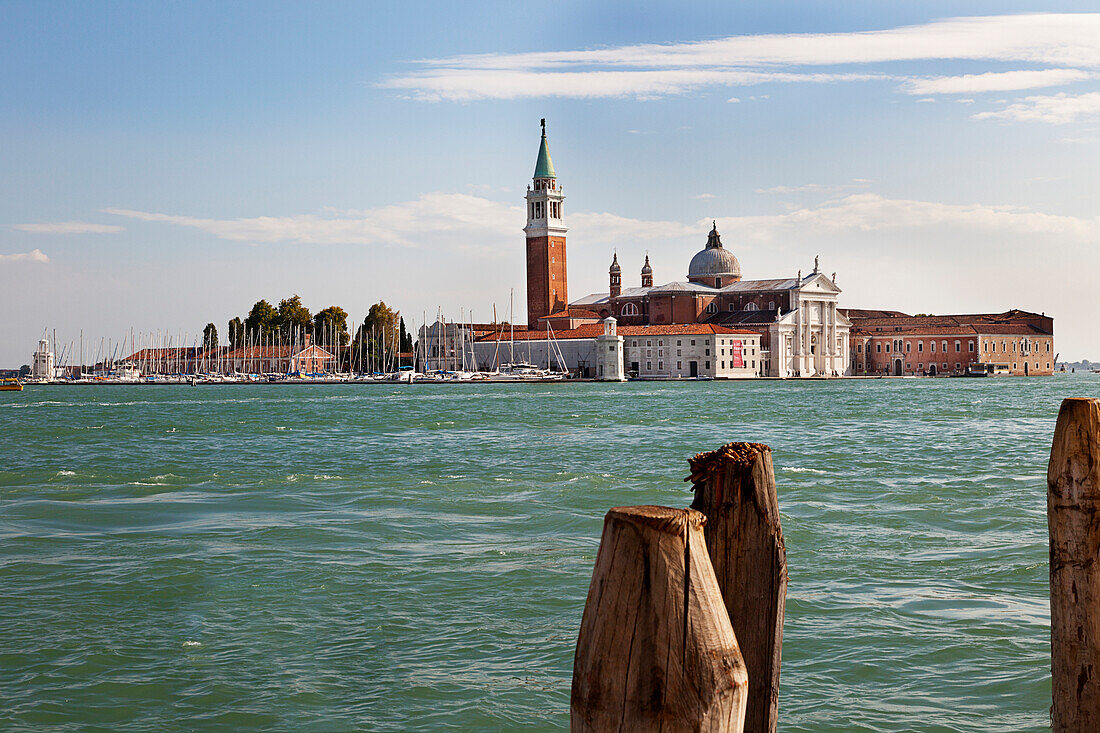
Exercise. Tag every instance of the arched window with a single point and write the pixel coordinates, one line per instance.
(629, 310)
(712, 307)
(752, 307)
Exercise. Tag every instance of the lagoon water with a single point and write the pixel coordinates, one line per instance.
(396, 558)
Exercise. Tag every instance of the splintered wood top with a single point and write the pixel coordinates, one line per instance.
(730, 454)
(662, 518)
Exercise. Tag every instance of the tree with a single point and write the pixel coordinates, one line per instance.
(293, 318)
(406, 339)
(236, 333)
(24, 370)
(210, 337)
(331, 323)
(261, 320)
(375, 341)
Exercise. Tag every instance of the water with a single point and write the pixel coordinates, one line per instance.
(396, 558)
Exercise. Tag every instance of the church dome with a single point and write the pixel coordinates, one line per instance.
(615, 269)
(714, 260)
(646, 269)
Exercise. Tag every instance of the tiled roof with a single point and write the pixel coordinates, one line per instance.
(572, 313)
(861, 313)
(681, 287)
(754, 285)
(592, 330)
(591, 299)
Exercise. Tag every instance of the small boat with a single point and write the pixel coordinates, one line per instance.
(10, 385)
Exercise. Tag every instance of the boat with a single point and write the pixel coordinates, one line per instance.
(10, 385)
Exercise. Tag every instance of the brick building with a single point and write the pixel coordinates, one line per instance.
(894, 343)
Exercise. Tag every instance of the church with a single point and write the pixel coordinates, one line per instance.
(798, 328)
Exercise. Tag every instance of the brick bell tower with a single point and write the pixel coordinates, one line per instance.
(547, 289)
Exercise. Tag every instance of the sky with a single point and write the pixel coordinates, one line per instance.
(165, 165)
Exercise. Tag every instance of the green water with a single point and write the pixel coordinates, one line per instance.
(395, 558)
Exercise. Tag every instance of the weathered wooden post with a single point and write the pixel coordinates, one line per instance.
(656, 650)
(735, 488)
(1073, 520)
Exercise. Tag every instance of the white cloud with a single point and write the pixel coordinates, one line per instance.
(816, 187)
(651, 70)
(69, 227)
(704, 196)
(996, 81)
(872, 212)
(467, 85)
(35, 255)
(734, 100)
(1058, 109)
(454, 220)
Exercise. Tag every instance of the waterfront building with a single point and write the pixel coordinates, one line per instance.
(42, 364)
(669, 351)
(893, 343)
(609, 353)
(800, 331)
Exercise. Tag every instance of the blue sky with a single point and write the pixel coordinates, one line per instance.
(167, 164)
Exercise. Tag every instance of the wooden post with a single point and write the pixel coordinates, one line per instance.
(735, 488)
(656, 650)
(1073, 520)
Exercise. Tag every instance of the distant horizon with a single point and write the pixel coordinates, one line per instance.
(167, 161)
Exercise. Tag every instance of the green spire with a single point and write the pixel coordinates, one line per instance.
(544, 168)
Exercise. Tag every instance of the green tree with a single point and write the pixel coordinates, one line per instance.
(261, 320)
(236, 333)
(406, 339)
(293, 318)
(210, 337)
(376, 340)
(24, 370)
(331, 323)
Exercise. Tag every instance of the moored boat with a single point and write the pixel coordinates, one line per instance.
(10, 385)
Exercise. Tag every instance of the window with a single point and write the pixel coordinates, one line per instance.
(878, 348)
(732, 307)
(708, 353)
(771, 305)
(679, 365)
(629, 309)
(693, 342)
(660, 366)
(859, 348)
(887, 348)
(958, 366)
(908, 347)
(945, 347)
(752, 307)
(677, 342)
(633, 343)
(920, 346)
(971, 345)
(932, 346)
(648, 343)
(678, 351)
(610, 348)
(721, 365)
(649, 366)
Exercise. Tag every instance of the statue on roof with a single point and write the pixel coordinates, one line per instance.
(817, 267)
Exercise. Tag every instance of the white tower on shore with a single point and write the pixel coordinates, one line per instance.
(42, 366)
(609, 353)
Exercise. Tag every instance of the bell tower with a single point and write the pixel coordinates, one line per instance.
(547, 290)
